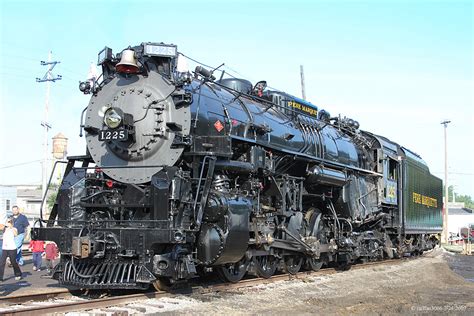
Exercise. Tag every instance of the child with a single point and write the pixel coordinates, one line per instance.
(9, 250)
(37, 247)
(51, 254)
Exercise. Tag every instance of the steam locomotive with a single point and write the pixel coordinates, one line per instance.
(187, 174)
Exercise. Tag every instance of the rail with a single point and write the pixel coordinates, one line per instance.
(63, 305)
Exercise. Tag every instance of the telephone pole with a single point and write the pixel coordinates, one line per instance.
(48, 78)
(446, 196)
(303, 92)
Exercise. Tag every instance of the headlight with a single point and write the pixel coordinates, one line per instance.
(105, 54)
(112, 118)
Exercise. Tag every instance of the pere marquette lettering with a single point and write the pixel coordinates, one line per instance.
(303, 108)
(424, 200)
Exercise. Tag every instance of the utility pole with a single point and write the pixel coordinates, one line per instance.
(303, 93)
(446, 199)
(48, 77)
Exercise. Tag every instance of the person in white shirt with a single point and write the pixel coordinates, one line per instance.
(9, 250)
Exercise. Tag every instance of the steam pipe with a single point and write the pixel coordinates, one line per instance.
(234, 166)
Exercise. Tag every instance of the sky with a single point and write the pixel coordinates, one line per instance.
(397, 67)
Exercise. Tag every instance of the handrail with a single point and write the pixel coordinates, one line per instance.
(120, 167)
(47, 186)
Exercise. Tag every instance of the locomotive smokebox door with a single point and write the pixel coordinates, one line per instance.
(137, 116)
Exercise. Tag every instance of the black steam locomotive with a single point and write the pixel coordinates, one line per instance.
(186, 174)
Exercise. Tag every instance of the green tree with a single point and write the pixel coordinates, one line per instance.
(52, 194)
(51, 199)
(468, 201)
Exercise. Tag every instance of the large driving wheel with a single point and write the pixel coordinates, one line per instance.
(313, 264)
(292, 264)
(265, 266)
(233, 272)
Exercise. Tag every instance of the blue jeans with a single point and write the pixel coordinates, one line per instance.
(19, 243)
(37, 259)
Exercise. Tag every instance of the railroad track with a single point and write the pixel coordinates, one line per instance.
(64, 301)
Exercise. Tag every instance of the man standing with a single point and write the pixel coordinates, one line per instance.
(20, 222)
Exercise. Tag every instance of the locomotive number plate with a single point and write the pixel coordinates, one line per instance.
(116, 134)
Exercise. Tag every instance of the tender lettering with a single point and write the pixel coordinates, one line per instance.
(424, 200)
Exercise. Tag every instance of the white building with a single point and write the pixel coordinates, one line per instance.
(459, 217)
(7, 198)
(29, 201)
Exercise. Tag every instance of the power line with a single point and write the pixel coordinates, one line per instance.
(227, 69)
(12, 74)
(21, 57)
(36, 60)
(20, 164)
(458, 173)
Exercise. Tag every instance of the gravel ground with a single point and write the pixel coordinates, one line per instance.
(424, 286)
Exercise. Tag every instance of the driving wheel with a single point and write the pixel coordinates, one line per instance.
(313, 264)
(292, 264)
(233, 272)
(265, 266)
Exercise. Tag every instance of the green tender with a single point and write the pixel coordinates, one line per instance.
(422, 197)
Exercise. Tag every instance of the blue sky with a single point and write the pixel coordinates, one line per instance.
(398, 67)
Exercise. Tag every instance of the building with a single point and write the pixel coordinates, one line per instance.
(459, 217)
(26, 196)
(8, 198)
(29, 201)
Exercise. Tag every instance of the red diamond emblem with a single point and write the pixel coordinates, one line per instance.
(218, 125)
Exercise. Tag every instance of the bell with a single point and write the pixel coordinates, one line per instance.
(128, 63)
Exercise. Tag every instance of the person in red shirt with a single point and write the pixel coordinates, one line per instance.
(51, 254)
(37, 247)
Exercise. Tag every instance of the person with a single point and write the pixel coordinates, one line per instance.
(37, 248)
(51, 254)
(20, 222)
(9, 250)
(3, 220)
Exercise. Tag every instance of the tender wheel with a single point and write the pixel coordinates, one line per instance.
(233, 272)
(265, 266)
(292, 264)
(313, 264)
(343, 265)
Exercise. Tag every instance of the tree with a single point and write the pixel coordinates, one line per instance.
(51, 199)
(468, 201)
(52, 194)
